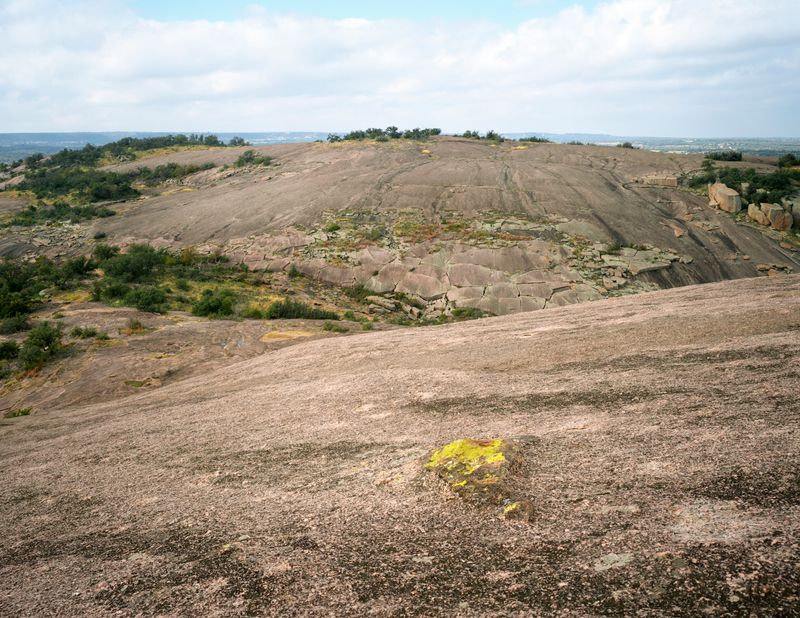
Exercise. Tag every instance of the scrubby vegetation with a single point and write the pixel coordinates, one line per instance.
(69, 182)
(17, 412)
(724, 155)
(333, 327)
(537, 140)
(293, 309)
(215, 303)
(492, 136)
(772, 187)
(385, 134)
(42, 343)
(251, 157)
(627, 145)
(789, 160)
(59, 211)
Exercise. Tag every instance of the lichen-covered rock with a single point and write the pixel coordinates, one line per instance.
(477, 470)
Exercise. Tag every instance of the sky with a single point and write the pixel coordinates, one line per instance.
(673, 68)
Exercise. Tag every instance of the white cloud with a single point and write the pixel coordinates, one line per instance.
(658, 67)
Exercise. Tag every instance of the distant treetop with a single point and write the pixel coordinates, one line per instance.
(384, 135)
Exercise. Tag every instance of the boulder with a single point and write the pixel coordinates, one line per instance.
(755, 213)
(778, 218)
(727, 199)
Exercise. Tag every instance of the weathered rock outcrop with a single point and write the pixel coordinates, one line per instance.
(773, 215)
(664, 180)
(724, 197)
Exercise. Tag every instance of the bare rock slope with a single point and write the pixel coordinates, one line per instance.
(458, 223)
(658, 438)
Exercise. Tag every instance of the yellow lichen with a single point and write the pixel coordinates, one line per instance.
(465, 456)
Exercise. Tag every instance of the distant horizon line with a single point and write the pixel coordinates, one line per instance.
(445, 133)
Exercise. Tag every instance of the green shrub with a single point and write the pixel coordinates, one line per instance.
(251, 157)
(100, 235)
(83, 332)
(254, 313)
(109, 290)
(349, 315)
(358, 292)
(137, 264)
(215, 303)
(293, 309)
(367, 326)
(293, 273)
(182, 285)
(724, 155)
(14, 324)
(103, 252)
(467, 313)
(17, 412)
(43, 342)
(332, 327)
(626, 145)
(8, 350)
(147, 298)
(333, 227)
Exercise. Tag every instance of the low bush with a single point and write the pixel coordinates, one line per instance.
(251, 157)
(333, 327)
(724, 155)
(9, 350)
(43, 342)
(215, 303)
(358, 292)
(147, 298)
(83, 332)
(15, 324)
(137, 264)
(17, 412)
(254, 313)
(293, 309)
(467, 313)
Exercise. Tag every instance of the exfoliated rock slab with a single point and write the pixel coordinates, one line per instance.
(374, 257)
(659, 180)
(278, 265)
(424, 286)
(523, 257)
(337, 276)
(472, 274)
(502, 290)
(311, 268)
(461, 296)
(387, 278)
(579, 294)
(540, 290)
